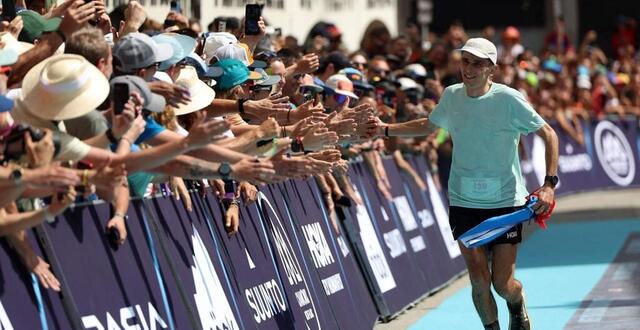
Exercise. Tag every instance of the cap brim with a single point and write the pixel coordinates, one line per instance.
(6, 104)
(347, 93)
(254, 75)
(163, 52)
(272, 80)
(257, 64)
(315, 88)
(156, 104)
(363, 86)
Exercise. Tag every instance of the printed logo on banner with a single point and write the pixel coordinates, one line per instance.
(290, 263)
(373, 249)
(211, 301)
(442, 218)
(395, 243)
(404, 211)
(5, 323)
(614, 153)
(322, 256)
(343, 247)
(127, 316)
(570, 163)
(426, 219)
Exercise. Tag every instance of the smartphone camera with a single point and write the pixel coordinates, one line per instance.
(252, 16)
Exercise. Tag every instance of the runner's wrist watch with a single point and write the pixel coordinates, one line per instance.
(551, 180)
(224, 170)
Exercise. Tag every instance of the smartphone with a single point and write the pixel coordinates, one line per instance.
(8, 10)
(222, 26)
(175, 7)
(120, 97)
(251, 18)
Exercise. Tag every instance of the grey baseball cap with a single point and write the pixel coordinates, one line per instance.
(152, 101)
(137, 50)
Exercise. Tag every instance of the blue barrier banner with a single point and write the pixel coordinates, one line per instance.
(251, 270)
(18, 302)
(302, 285)
(442, 270)
(111, 288)
(411, 224)
(342, 283)
(194, 278)
(608, 158)
(614, 146)
(406, 276)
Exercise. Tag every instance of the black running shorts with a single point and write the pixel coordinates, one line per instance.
(462, 219)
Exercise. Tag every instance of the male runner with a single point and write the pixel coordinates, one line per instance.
(485, 120)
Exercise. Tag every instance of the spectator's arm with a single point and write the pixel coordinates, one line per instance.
(211, 152)
(48, 44)
(32, 261)
(406, 167)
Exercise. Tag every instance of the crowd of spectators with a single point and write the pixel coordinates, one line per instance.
(110, 106)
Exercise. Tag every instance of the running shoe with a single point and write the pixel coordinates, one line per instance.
(518, 316)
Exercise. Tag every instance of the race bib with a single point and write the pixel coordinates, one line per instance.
(485, 189)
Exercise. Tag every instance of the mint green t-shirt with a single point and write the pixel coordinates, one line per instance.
(485, 171)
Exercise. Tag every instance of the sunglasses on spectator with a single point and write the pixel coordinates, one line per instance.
(362, 65)
(340, 99)
(153, 66)
(380, 71)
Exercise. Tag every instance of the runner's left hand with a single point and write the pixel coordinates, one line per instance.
(545, 199)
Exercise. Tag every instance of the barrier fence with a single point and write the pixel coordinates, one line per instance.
(287, 267)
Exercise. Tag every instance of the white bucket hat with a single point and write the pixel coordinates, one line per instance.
(201, 94)
(63, 87)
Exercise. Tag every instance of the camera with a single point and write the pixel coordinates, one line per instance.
(15, 144)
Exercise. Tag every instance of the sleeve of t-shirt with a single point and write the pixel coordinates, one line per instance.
(524, 118)
(71, 148)
(439, 115)
(150, 130)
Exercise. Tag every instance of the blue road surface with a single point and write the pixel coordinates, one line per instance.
(560, 268)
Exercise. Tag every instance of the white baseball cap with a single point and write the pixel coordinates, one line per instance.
(482, 48)
(216, 40)
(340, 84)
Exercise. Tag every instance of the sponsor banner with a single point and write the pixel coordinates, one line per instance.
(251, 269)
(399, 289)
(194, 278)
(303, 286)
(435, 198)
(441, 271)
(113, 288)
(19, 308)
(412, 224)
(614, 147)
(343, 284)
(575, 164)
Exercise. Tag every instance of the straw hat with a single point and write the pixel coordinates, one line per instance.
(201, 94)
(63, 87)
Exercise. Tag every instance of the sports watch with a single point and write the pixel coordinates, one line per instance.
(552, 180)
(224, 170)
(16, 176)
